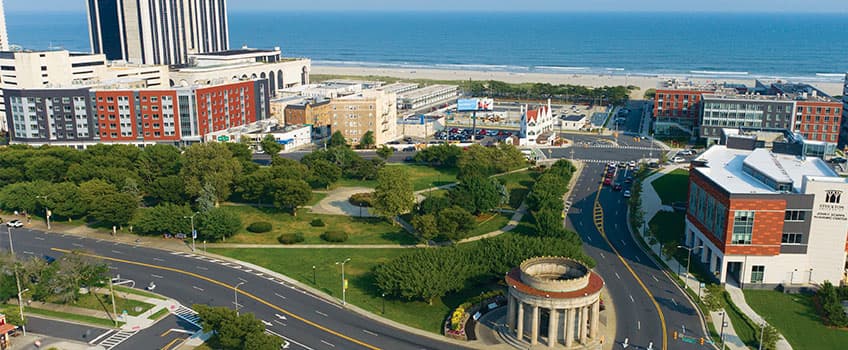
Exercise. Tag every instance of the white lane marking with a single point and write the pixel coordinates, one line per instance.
(631, 298)
(267, 324)
(198, 288)
(370, 332)
(242, 279)
(637, 258)
(39, 238)
(99, 240)
(617, 276)
(248, 270)
(156, 276)
(602, 256)
(116, 252)
(655, 278)
(622, 242)
(157, 259)
(328, 343)
(101, 336)
(28, 252)
(280, 316)
(76, 245)
(277, 294)
(225, 263)
(288, 339)
(321, 313)
(638, 324)
(673, 302)
(202, 268)
(279, 323)
(237, 267)
(589, 238)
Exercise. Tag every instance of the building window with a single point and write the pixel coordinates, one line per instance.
(757, 273)
(743, 226)
(791, 238)
(795, 215)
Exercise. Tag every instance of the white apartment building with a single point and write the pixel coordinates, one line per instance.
(426, 96)
(4, 36)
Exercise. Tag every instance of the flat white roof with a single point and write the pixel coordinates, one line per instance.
(724, 167)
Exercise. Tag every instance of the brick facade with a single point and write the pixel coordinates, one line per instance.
(818, 121)
(682, 106)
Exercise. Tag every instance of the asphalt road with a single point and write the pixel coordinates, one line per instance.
(305, 320)
(165, 334)
(64, 330)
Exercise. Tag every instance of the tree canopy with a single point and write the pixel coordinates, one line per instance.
(393, 195)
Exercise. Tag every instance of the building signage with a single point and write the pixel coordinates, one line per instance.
(831, 209)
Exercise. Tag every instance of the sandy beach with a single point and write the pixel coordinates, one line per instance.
(592, 80)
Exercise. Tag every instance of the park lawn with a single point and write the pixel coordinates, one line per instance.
(359, 230)
(316, 197)
(489, 222)
(744, 327)
(527, 225)
(102, 322)
(668, 227)
(297, 264)
(794, 315)
(138, 292)
(673, 187)
(421, 176)
(518, 185)
(158, 314)
(133, 307)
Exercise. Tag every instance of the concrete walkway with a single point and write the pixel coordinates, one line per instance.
(652, 204)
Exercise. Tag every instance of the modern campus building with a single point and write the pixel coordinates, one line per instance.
(761, 219)
(843, 136)
(427, 96)
(370, 110)
(53, 69)
(678, 105)
(4, 35)
(81, 116)
(242, 64)
(157, 31)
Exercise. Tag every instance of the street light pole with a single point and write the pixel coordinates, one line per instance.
(314, 276)
(17, 279)
(384, 308)
(235, 296)
(722, 329)
(762, 332)
(344, 282)
(46, 211)
(193, 235)
(689, 256)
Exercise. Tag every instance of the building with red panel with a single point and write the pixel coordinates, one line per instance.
(760, 219)
(221, 107)
(145, 116)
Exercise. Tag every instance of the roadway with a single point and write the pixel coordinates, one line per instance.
(306, 321)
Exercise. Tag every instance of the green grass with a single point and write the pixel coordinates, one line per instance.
(316, 197)
(794, 315)
(421, 176)
(744, 327)
(297, 263)
(527, 225)
(668, 227)
(72, 317)
(90, 301)
(673, 187)
(360, 230)
(518, 185)
(158, 314)
(138, 292)
(489, 222)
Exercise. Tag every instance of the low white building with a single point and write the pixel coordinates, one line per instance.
(426, 96)
(573, 122)
(291, 137)
(323, 90)
(537, 125)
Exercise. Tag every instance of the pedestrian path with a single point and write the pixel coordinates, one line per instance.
(651, 204)
(188, 315)
(115, 339)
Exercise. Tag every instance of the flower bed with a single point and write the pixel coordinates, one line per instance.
(460, 325)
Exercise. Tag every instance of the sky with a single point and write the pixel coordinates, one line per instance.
(832, 6)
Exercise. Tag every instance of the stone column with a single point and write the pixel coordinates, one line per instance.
(519, 329)
(581, 324)
(569, 327)
(552, 327)
(534, 327)
(510, 312)
(593, 321)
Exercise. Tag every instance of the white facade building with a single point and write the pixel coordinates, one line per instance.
(4, 35)
(290, 137)
(537, 125)
(426, 96)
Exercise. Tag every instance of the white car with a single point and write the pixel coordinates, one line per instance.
(678, 159)
(627, 194)
(15, 223)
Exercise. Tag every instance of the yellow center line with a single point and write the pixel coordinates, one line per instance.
(222, 284)
(600, 227)
(166, 332)
(168, 346)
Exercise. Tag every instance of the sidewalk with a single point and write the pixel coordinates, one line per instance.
(651, 205)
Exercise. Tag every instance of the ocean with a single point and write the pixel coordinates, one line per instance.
(794, 46)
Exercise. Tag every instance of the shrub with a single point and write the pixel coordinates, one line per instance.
(334, 236)
(259, 227)
(290, 238)
(362, 199)
(317, 223)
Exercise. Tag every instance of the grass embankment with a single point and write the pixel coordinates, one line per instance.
(158, 314)
(297, 263)
(360, 230)
(138, 292)
(95, 321)
(518, 185)
(133, 307)
(421, 176)
(672, 187)
(794, 315)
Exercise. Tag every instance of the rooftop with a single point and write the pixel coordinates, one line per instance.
(574, 118)
(239, 52)
(426, 91)
(724, 166)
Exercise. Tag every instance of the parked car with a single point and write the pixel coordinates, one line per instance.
(607, 181)
(616, 187)
(627, 194)
(678, 159)
(632, 164)
(15, 223)
(838, 160)
(409, 149)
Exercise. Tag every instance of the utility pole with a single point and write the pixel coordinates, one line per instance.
(344, 281)
(46, 211)
(193, 232)
(235, 297)
(17, 279)
(114, 307)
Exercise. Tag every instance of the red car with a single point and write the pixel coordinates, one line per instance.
(607, 181)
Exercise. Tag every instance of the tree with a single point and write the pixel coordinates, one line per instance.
(262, 341)
(217, 224)
(211, 163)
(324, 173)
(21, 196)
(426, 226)
(434, 204)
(75, 270)
(385, 152)
(163, 218)
(63, 199)
(235, 332)
(270, 146)
(650, 93)
(367, 141)
(167, 189)
(46, 168)
(115, 209)
(455, 223)
(364, 169)
(254, 187)
(477, 194)
(393, 194)
(244, 154)
(291, 194)
(283, 168)
(157, 161)
(424, 274)
(444, 155)
(337, 140)
(207, 199)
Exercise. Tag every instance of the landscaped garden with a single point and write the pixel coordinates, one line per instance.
(795, 316)
(672, 187)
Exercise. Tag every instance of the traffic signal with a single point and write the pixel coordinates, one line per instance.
(674, 335)
(701, 341)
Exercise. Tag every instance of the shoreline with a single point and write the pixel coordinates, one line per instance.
(643, 82)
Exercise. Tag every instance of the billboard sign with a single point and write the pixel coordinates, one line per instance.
(475, 105)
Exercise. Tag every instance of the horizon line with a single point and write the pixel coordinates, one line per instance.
(466, 11)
